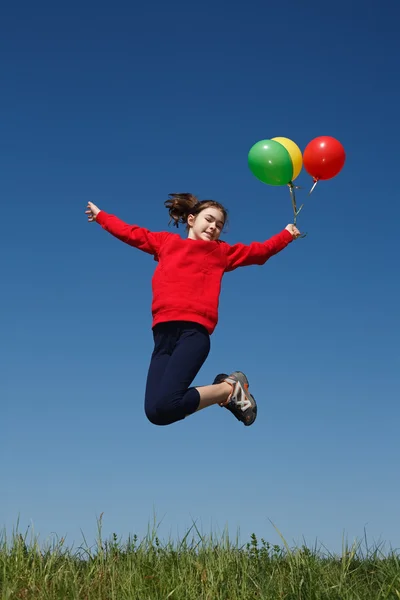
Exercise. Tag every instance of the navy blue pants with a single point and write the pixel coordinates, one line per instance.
(180, 349)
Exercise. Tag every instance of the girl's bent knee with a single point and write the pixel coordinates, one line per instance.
(165, 410)
(155, 419)
(160, 417)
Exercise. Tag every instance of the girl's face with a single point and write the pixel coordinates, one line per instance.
(207, 225)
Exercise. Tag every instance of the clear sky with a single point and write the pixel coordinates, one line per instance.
(122, 103)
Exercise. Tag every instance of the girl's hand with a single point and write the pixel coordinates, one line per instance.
(92, 211)
(293, 230)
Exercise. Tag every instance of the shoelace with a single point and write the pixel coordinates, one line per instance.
(244, 403)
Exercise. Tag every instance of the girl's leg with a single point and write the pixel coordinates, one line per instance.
(165, 338)
(213, 394)
(157, 368)
(179, 356)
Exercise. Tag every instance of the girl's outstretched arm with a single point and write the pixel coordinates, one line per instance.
(138, 237)
(257, 253)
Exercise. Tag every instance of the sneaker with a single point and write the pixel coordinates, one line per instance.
(240, 403)
(220, 378)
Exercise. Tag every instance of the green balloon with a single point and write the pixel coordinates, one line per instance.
(270, 162)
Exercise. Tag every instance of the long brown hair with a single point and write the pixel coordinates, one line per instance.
(180, 206)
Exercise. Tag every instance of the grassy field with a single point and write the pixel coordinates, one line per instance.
(194, 568)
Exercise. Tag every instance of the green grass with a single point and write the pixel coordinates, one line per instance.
(194, 568)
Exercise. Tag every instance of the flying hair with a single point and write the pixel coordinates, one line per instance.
(180, 206)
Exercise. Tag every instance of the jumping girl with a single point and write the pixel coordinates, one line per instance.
(186, 286)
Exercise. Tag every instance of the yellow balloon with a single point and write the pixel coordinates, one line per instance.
(294, 152)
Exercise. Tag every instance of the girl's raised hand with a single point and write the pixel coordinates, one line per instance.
(92, 211)
(293, 230)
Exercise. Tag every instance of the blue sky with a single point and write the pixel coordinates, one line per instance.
(121, 104)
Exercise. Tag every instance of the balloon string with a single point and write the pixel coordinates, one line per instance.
(313, 187)
(296, 212)
(293, 197)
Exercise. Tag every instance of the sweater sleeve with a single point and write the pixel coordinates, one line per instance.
(138, 237)
(256, 253)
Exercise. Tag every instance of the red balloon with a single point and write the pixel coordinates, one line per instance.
(324, 157)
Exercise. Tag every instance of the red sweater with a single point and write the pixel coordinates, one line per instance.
(187, 280)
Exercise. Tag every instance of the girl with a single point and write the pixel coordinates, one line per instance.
(186, 287)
